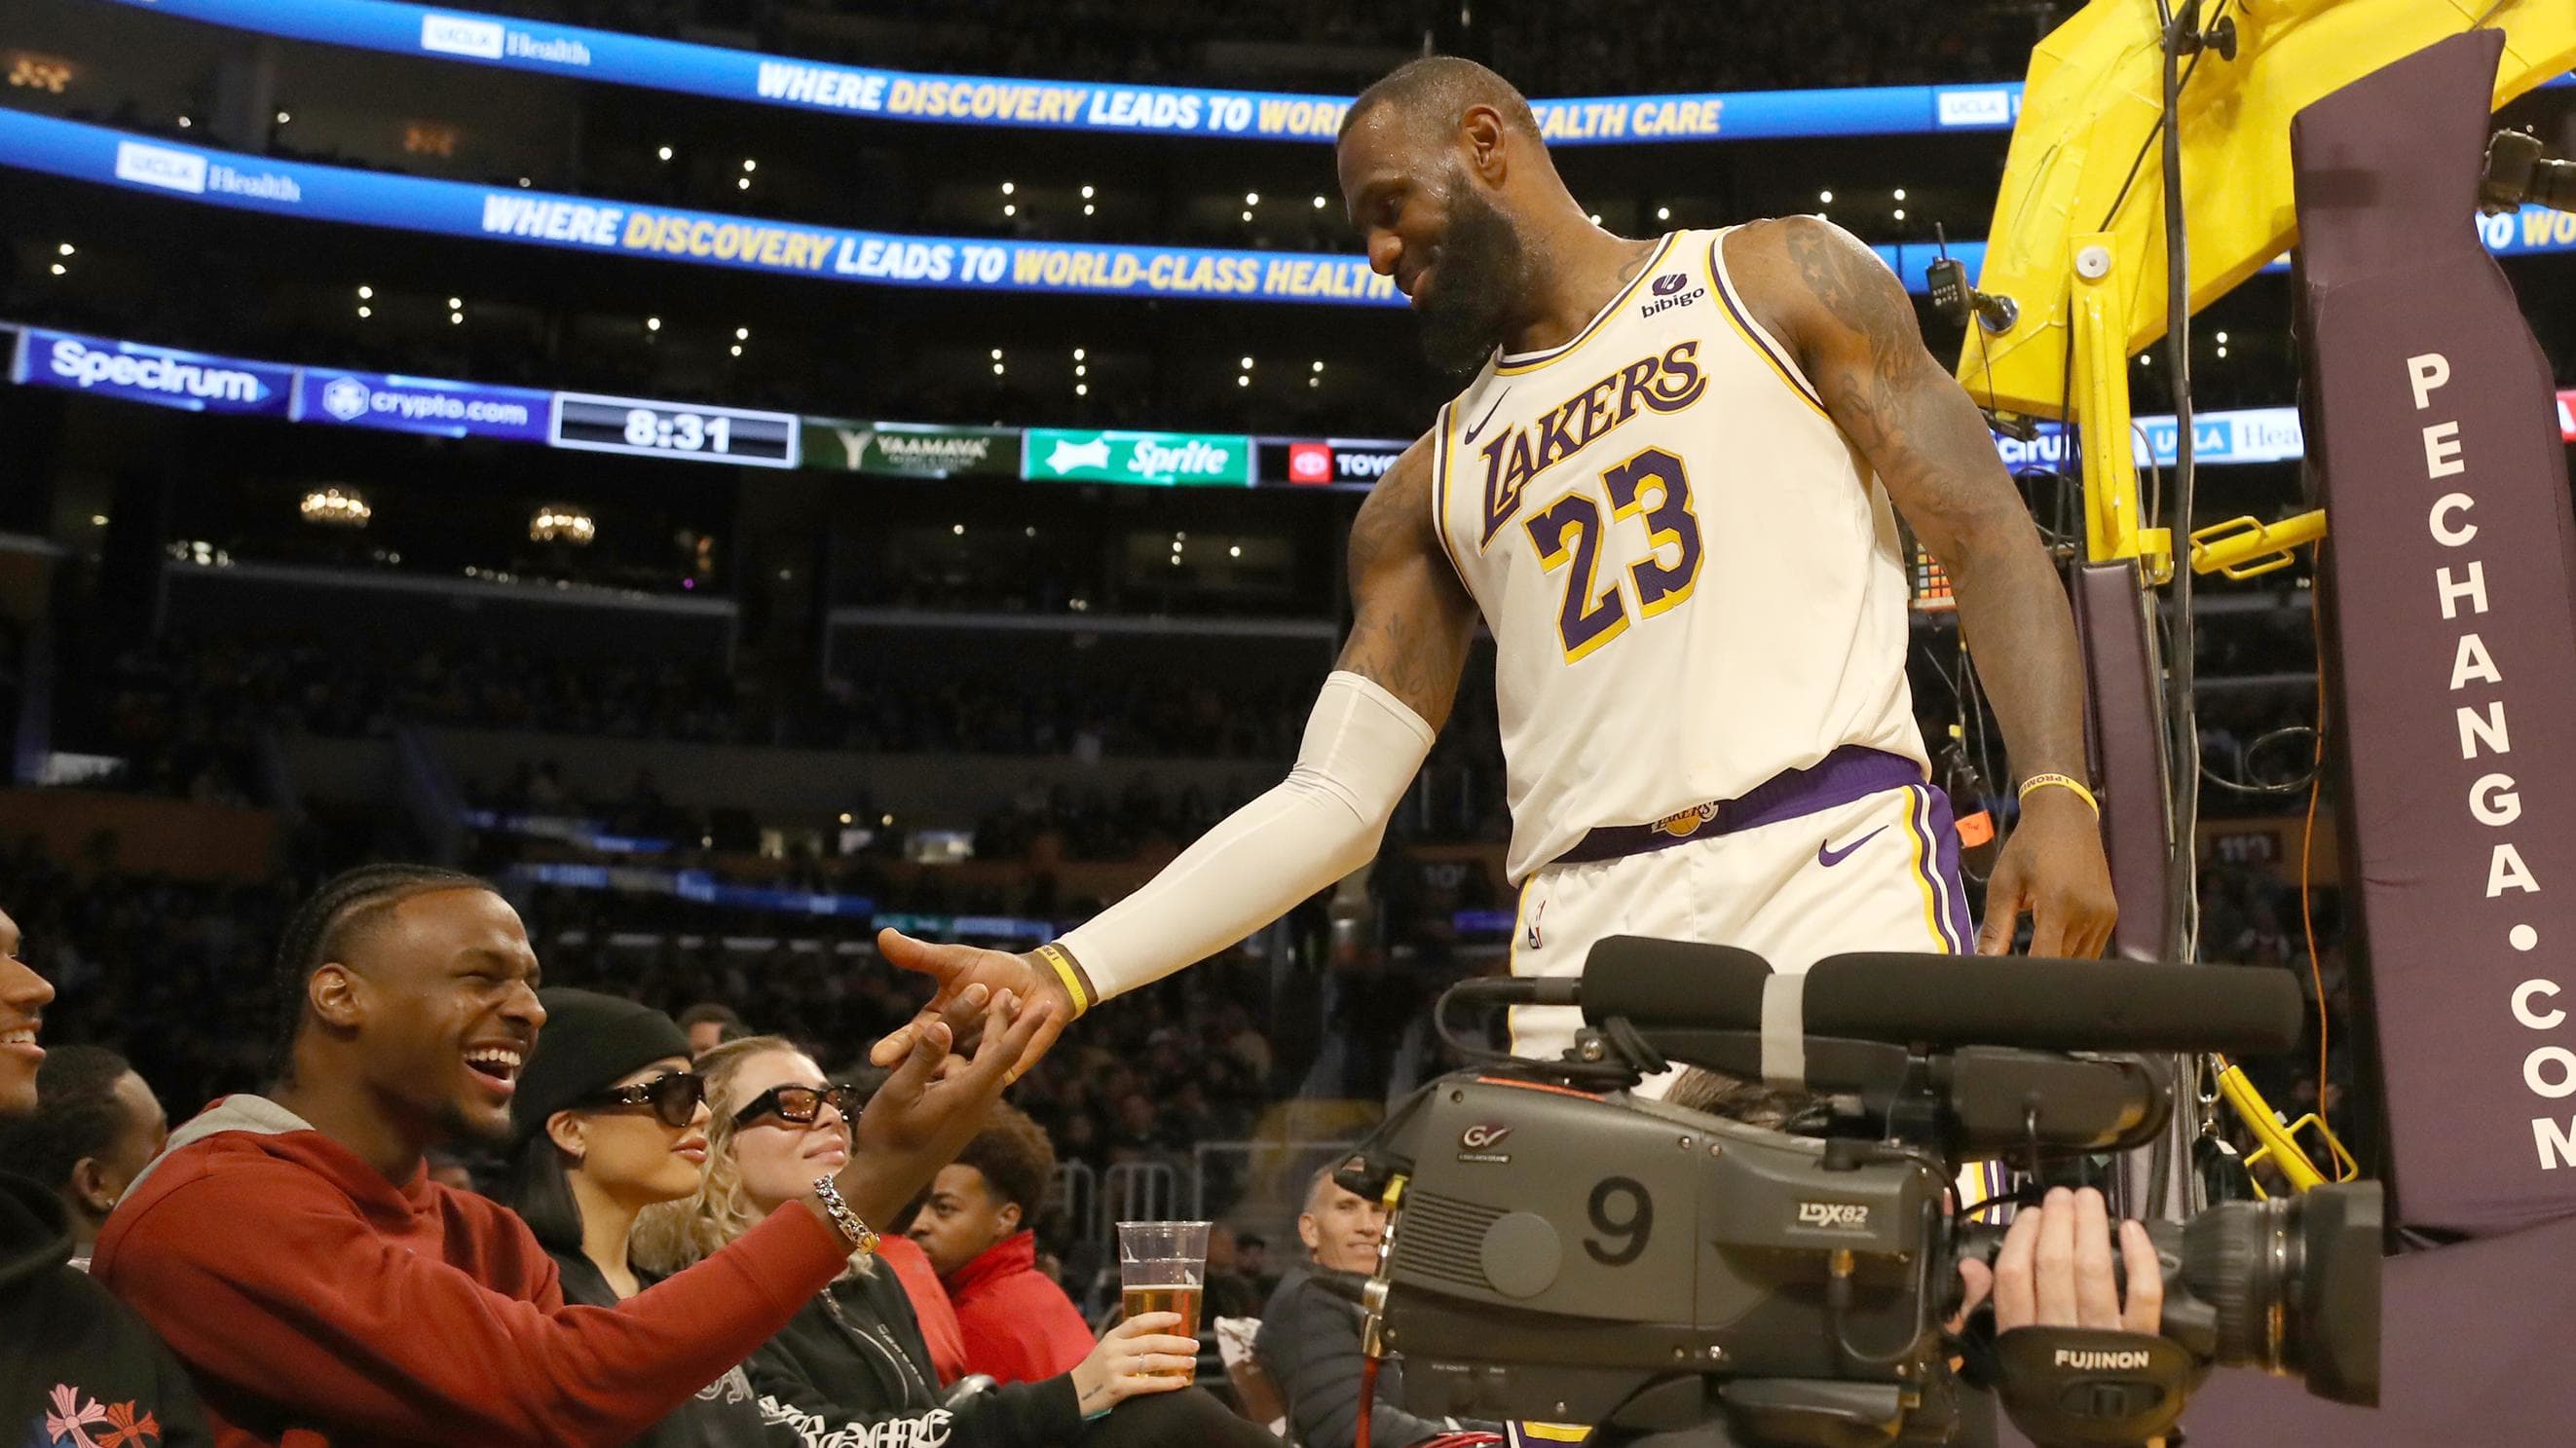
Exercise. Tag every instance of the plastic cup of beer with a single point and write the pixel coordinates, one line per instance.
(1162, 1267)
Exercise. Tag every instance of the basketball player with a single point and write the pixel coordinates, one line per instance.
(1667, 491)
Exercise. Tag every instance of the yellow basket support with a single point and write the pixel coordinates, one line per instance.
(2248, 548)
(2279, 1139)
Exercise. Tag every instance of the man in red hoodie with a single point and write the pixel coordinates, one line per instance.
(295, 1255)
(1019, 1325)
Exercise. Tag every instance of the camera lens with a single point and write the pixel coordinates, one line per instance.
(2293, 1285)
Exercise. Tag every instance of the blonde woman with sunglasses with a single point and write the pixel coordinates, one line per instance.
(855, 1353)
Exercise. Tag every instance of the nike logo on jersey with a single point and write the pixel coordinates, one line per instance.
(1667, 382)
(1828, 856)
(1480, 422)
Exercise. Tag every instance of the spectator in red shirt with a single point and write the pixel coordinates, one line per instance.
(323, 1291)
(1019, 1325)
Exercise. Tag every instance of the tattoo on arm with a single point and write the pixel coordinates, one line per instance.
(1411, 617)
(1920, 430)
(1861, 346)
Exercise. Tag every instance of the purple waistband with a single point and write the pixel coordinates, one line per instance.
(1854, 771)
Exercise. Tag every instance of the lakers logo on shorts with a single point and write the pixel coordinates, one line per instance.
(1687, 823)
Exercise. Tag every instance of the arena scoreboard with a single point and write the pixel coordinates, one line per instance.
(690, 432)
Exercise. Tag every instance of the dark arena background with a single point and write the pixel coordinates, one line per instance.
(740, 474)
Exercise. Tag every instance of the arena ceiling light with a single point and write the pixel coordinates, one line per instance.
(1319, 203)
(742, 183)
(65, 249)
(365, 311)
(1077, 354)
(1663, 213)
(1086, 208)
(1010, 208)
(1082, 389)
(749, 164)
(1086, 193)
(283, 118)
(742, 334)
(185, 123)
(1008, 188)
(1900, 213)
(665, 153)
(59, 268)
(562, 523)
(652, 324)
(1900, 193)
(454, 303)
(1824, 198)
(335, 507)
(1252, 198)
(366, 294)
(737, 349)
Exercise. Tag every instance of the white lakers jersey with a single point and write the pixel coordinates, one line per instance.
(1692, 578)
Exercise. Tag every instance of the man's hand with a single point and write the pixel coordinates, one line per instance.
(2055, 1271)
(926, 1112)
(966, 977)
(2053, 867)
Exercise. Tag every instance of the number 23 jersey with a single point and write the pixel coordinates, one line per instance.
(1693, 580)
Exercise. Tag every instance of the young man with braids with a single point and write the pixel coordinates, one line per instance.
(293, 1252)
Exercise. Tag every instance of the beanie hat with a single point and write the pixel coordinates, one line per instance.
(587, 1042)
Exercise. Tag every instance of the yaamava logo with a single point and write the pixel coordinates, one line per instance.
(1164, 459)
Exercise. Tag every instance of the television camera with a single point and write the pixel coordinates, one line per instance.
(1562, 1248)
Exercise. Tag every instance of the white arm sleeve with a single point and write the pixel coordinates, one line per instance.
(1361, 751)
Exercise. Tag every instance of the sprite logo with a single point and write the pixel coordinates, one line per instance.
(1160, 459)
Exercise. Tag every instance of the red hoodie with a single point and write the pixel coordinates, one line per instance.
(318, 1304)
(1019, 1326)
(930, 1305)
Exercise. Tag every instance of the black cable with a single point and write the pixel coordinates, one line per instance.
(2181, 912)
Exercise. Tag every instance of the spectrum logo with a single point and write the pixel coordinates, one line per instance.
(160, 166)
(457, 35)
(1310, 463)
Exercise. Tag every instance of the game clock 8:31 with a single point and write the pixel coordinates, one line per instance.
(672, 430)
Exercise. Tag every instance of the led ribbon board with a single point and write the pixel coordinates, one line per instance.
(539, 48)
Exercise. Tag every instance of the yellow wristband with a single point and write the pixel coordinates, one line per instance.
(1075, 988)
(2062, 781)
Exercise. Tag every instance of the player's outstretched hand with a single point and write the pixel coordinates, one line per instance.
(932, 1105)
(2053, 867)
(964, 977)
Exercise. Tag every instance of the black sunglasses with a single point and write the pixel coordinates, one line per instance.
(797, 1105)
(673, 1095)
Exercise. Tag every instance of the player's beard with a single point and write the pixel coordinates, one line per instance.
(1481, 272)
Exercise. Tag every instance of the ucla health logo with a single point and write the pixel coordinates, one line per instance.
(346, 398)
(161, 166)
(460, 35)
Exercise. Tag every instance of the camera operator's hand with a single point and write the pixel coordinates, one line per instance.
(2055, 1270)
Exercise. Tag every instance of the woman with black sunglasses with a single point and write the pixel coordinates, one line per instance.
(857, 1350)
(608, 1119)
